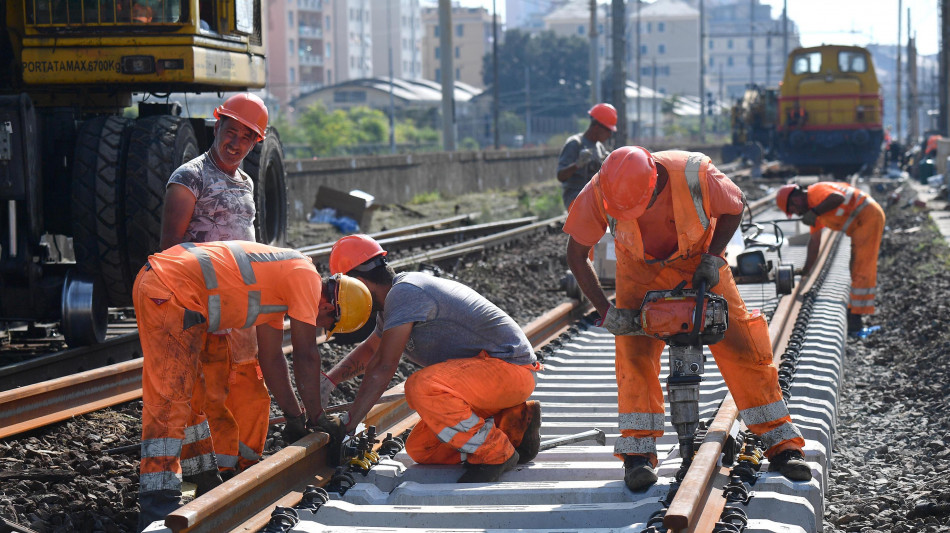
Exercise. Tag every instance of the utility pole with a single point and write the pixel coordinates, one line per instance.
(913, 121)
(702, 72)
(653, 72)
(392, 106)
(448, 79)
(942, 126)
(620, 76)
(900, 10)
(785, 29)
(494, 58)
(594, 74)
(639, 86)
(751, 42)
(527, 102)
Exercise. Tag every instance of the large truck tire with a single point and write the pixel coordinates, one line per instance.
(97, 204)
(265, 165)
(157, 146)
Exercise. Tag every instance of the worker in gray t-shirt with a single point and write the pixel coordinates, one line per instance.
(478, 366)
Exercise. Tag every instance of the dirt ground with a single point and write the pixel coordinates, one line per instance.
(890, 461)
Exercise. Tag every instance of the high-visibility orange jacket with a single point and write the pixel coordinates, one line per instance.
(698, 195)
(862, 219)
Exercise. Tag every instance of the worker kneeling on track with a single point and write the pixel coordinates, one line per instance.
(478, 366)
(672, 214)
(841, 207)
(191, 290)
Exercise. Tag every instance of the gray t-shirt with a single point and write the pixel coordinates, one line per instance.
(452, 321)
(224, 205)
(572, 147)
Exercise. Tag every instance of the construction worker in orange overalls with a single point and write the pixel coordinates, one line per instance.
(691, 210)
(190, 290)
(583, 153)
(210, 198)
(841, 207)
(478, 366)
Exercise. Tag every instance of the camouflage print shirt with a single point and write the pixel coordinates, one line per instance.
(224, 210)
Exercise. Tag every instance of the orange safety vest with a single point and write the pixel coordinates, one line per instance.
(694, 229)
(840, 218)
(239, 284)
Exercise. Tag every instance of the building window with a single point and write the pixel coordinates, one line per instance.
(436, 31)
(293, 75)
(580, 30)
(661, 48)
(459, 30)
(712, 44)
(711, 62)
(437, 54)
(643, 49)
(290, 19)
(290, 46)
(729, 44)
(457, 52)
(729, 61)
(458, 73)
(328, 47)
(660, 27)
(438, 74)
(328, 22)
(750, 44)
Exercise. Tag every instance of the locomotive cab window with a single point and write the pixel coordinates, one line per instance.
(95, 12)
(807, 63)
(852, 62)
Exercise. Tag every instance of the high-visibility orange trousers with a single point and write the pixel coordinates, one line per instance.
(176, 439)
(470, 410)
(744, 357)
(233, 396)
(865, 233)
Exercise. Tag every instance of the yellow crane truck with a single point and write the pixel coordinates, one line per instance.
(76, 168)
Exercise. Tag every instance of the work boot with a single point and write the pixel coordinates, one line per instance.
(791, 464)
(483, 473)
(638, 472)
(531, 440)
(204, 481)
(855, 324)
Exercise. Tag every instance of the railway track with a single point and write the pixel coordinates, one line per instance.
(576, 486)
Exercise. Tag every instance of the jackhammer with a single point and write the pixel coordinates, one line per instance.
(686, 320)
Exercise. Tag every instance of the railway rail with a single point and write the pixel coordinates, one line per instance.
(575, 487)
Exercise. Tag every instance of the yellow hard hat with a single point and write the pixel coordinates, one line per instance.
(353, 303)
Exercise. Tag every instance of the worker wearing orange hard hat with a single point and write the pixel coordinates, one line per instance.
(477, 366)
(672, 214)
(187, 292)
(211, 198)
(583, 153)
(841, 207)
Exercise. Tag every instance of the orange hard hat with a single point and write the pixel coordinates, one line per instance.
(352, 251)
(781, 197)
(606, 114)
(248, 109)
(627, 180)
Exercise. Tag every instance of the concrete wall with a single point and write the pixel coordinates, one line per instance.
(396, 179)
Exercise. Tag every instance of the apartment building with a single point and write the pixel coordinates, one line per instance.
(471, 40)
(397, 28)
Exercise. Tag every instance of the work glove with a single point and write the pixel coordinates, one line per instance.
(810, 217)
(583, 158)
(708, 270)
(327, 386)
(335, 427)
(295, 427)
(622, 321)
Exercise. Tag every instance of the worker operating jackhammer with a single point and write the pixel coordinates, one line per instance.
(692, 210)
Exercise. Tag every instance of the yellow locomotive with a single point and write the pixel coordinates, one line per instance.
(829, 110)
(74, 167)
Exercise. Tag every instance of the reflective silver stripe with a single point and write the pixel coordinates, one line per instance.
(253, 307)
(862, 303)
(839, 211)
(693, 164)
(462, 427)
(786, 431)
(196, 465)
(204, 261)
(243, 262)
(226, 461)
(197, 433)
(764, 413)
(167, 447)
(863, 292)
(854, 214)
(269, 257)
(248, 453)
(478, 438)
(214, 312)
(641, 421)
(159, 481)
(635, 445)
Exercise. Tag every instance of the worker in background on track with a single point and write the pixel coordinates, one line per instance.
(841, 207)
(478, 366)
(210, 198)
(583, 153)
(672, 214)
(185, 293)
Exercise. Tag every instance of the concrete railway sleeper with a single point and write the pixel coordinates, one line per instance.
(579, 487)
